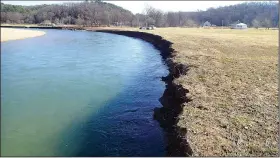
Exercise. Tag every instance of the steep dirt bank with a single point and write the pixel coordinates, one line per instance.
(174, 95)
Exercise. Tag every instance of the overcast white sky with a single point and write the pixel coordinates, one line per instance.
(138, 6)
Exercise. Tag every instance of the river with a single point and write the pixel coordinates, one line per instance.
(80, 93)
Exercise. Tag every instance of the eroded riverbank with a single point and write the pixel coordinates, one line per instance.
(230, 99)
(174, 95)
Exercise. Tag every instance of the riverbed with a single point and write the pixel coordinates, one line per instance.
(80, 93)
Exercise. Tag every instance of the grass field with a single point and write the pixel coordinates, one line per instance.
(233, 86)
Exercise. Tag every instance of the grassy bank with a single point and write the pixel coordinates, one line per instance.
(8, 34)
(233, 87)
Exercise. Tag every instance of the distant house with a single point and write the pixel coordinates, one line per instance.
(207, 24)
(238, 26)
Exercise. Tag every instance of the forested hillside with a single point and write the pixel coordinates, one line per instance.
(84, 13)
(258, 14)
(96, 13)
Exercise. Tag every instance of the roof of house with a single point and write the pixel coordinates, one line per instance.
(207, 23)
(240, 24)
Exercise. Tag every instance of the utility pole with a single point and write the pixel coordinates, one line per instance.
(222, 24)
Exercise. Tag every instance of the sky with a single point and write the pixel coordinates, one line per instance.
(138, 6)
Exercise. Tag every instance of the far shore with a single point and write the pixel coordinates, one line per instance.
(8, 34)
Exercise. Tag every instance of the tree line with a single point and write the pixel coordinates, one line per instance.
(98, 13)
(85, 13)
(254, 14)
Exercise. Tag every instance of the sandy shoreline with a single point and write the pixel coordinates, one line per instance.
(8, 34)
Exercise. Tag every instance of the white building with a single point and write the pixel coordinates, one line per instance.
(239, 26)
(207, 24)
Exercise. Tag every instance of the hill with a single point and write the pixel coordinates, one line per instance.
(84, 13)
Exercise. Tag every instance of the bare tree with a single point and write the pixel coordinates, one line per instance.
(256, 23)
(14, 17)
(3, 17)
(173, 19)
(46, 22)
(191, 23)
(153, 16)
(267, 23)
(79, 21)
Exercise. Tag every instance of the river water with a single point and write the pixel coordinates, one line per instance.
(80, 93)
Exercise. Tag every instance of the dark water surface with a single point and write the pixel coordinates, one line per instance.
(79, 93)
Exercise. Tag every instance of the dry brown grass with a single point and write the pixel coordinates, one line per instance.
(8, 34)
(233, 86)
